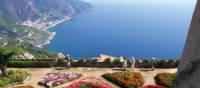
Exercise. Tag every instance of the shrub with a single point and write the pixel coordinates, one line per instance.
(61, 59)
(125, 79)
(129, 60)
(89, 60)
(147, 63)
(176, 63)
(81, 60)
(162, 63)
(165, 79)
(108, 60)
(166, 63)
(12, 77)
(94, 61)
(117, 61)
(4, 81)
(138, 60)
(30, 64)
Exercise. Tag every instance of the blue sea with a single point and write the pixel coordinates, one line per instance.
(139, 28)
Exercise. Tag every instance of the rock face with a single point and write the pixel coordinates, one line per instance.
(189, 69)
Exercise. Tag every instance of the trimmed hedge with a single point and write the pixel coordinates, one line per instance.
(125, 79)
(165, 79)
(33, 59)
(30, 64)
(146, 63)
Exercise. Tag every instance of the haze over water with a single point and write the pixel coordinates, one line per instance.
(139, 28)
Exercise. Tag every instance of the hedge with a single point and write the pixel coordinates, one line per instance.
(30, 64)
(165, 79)
(146, 63)
(125, 79)
(33, 59)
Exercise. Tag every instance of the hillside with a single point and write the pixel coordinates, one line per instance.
(27, 20)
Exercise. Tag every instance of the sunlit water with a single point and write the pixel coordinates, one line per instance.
(139, 28)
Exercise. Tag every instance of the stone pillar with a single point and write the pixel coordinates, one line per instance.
(188, 75)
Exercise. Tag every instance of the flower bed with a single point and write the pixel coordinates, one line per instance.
(13, 77)
(153, 86)
(56, 79)
(89, 82)
(165, 79)
(125, 79)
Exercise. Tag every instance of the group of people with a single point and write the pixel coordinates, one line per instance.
(125, 65)
(125, 62)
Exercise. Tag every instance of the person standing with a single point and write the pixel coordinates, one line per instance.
(125, 63)
(133, 64)
(152, 63)
(68, 61)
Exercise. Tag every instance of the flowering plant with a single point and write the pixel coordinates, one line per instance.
(153, 86)
(125, 79)
(165, 79)
(55, 79)
(91, 82)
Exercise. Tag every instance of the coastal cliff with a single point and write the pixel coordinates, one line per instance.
(30, 19)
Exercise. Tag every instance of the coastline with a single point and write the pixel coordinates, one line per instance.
(55, 23)
(52, 34)
(46, 26)
(48, 41)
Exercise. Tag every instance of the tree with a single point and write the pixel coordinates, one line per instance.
(116, 61)
(6, 53)
(108, 60)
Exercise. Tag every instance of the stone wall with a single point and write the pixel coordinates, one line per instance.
(189, 69)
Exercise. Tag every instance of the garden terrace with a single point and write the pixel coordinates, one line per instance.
(38, 74)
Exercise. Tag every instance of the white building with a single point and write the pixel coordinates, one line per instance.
(61, 55)
(103, 57)
(26, 56)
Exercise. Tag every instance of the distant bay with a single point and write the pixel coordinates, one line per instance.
(139, 28)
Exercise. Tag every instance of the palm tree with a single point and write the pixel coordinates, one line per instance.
(6, 53)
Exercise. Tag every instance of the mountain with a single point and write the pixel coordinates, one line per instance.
(28, 20)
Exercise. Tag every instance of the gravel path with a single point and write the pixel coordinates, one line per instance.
(38, 73)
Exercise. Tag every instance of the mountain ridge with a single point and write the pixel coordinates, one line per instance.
(30, 19)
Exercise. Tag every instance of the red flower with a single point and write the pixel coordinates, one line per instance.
(153, 86)
(92, 84)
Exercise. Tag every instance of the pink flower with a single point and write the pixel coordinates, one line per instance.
(58, 78)
(153, 86)
(90, 81)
